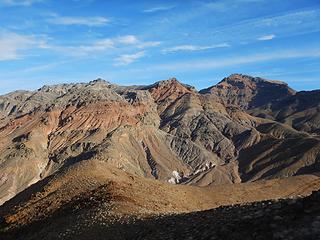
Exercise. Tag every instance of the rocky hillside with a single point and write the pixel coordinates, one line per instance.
(285, 219)
(91, 199)
(166, 131)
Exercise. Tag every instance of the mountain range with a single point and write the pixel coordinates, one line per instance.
(76, 155)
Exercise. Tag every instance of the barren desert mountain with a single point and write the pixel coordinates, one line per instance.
(76, 155)
(249, 92)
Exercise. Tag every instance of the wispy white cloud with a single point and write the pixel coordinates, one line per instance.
(148, 44)
(201, 64)
(225, 5)
(19, 2)
(158, 8)
(43, 67)
(111, 45)
(127, 39)
(12, 45)
(193, 48)
(287, 24)
(86, 21)
(266, 37)
(133, 40)
(97, 46)
(126, 59)
(101, 45)
(282, 25)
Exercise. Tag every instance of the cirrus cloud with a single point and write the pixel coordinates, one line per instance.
(159, 8)
(193, 47)
(267, 37)
(19, 2)
(127, 39)
(126, 59)
(86, 21)
(12, 45)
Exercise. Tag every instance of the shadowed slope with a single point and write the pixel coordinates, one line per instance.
(93, 193)
(301, 111)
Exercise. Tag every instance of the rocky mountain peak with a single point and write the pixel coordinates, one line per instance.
(248, 92)
(236, 77)
(167, 83)
(169, 89)
(99, 81)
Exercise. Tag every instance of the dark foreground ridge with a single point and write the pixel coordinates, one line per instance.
(297, 218)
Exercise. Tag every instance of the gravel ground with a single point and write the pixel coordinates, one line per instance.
(281, 219)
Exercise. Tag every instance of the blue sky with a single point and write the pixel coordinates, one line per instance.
(140, 42)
